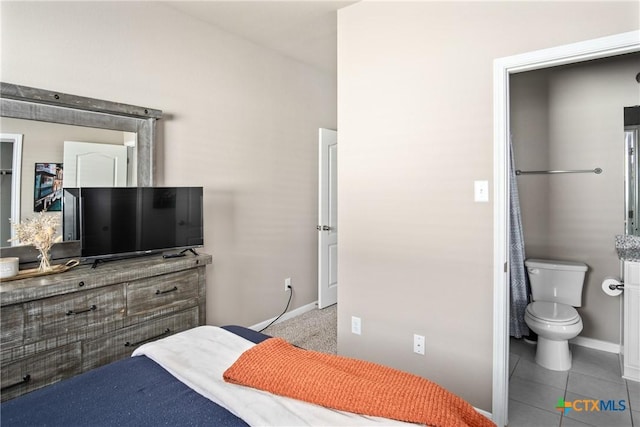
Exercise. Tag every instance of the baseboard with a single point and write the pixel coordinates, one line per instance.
(485, 413)
(288, 315)
(609, 347)
(632, 374)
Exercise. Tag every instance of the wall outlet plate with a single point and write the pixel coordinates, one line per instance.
(418, 344)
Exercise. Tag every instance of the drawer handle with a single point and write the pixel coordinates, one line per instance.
(159, 292)
(25, 380)
(71, 312)
(135, 344)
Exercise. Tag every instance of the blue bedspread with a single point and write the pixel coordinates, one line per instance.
(131, 392)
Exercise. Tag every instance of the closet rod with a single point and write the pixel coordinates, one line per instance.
(596, 171)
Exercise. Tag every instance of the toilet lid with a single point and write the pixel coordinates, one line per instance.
(552, 311)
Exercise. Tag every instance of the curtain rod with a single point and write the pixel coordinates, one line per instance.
(596, 171)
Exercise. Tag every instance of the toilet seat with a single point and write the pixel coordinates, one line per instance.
(553, 312)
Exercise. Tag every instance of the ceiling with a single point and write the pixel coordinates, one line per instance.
(305, 30)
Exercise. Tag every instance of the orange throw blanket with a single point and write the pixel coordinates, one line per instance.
(350, 385)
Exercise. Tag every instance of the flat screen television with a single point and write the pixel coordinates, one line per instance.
(127, 221)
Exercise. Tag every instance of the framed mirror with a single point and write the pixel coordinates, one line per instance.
(43, 120)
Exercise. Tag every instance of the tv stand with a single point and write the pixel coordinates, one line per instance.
(173, 255)
(179, 254)
(96, 262)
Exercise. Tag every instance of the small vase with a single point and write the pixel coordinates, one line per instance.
(45, 264)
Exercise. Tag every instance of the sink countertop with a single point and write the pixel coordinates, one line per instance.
(628, 247)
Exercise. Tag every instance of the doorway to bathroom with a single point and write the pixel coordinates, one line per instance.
(504, 69)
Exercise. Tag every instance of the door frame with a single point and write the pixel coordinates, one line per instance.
(16, 179)
(502, 69)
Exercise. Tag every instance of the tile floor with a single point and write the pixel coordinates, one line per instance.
(595, 375)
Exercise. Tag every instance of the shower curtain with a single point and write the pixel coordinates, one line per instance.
(519, 288)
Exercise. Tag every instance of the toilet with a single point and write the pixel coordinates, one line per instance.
(556, 288)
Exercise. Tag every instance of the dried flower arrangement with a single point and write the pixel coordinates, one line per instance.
(39, 231)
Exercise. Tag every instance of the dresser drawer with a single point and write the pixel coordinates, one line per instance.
(86, 313)
(37, 371)
(56, 326)
(122, 343)
(11, 326)
(162, 292)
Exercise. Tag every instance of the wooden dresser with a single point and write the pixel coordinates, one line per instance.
(57, 326)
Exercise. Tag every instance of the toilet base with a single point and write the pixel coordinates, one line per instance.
(553, 355)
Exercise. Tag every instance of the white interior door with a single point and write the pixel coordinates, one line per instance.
(88, 164)
(328, 219)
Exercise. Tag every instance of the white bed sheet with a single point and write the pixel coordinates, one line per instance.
(198, 357)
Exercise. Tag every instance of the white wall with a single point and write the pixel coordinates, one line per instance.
(240, 120)
(416, 129)
(572, 118)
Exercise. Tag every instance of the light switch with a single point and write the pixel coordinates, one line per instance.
(356, 325)
(481, 191)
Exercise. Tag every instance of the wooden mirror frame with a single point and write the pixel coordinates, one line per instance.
(23, 102)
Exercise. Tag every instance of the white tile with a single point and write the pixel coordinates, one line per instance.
(569, 422)
(541, 396)
(634, 396)
(534, 391)
(533, 372)
(522, 415)
(596, 388)
(513, 361)
(523, 349)
(596, 363)
(597, 418)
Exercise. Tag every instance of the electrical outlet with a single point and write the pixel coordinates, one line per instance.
(356, 325)
(418, 344)
(287, 284)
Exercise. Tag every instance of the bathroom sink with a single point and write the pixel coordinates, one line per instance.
(628, 247)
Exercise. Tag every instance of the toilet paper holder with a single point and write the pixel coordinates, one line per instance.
(619, 287)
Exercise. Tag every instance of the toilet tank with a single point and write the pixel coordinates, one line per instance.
(556, 281)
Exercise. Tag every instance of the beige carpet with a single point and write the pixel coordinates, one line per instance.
(314, 330)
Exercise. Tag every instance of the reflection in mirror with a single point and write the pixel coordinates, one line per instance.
(45, 143)
(632, 181)
(45, 120)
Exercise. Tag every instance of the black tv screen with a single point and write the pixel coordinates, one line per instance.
(121, 221)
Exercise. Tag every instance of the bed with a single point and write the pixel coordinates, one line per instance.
(177, 381)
